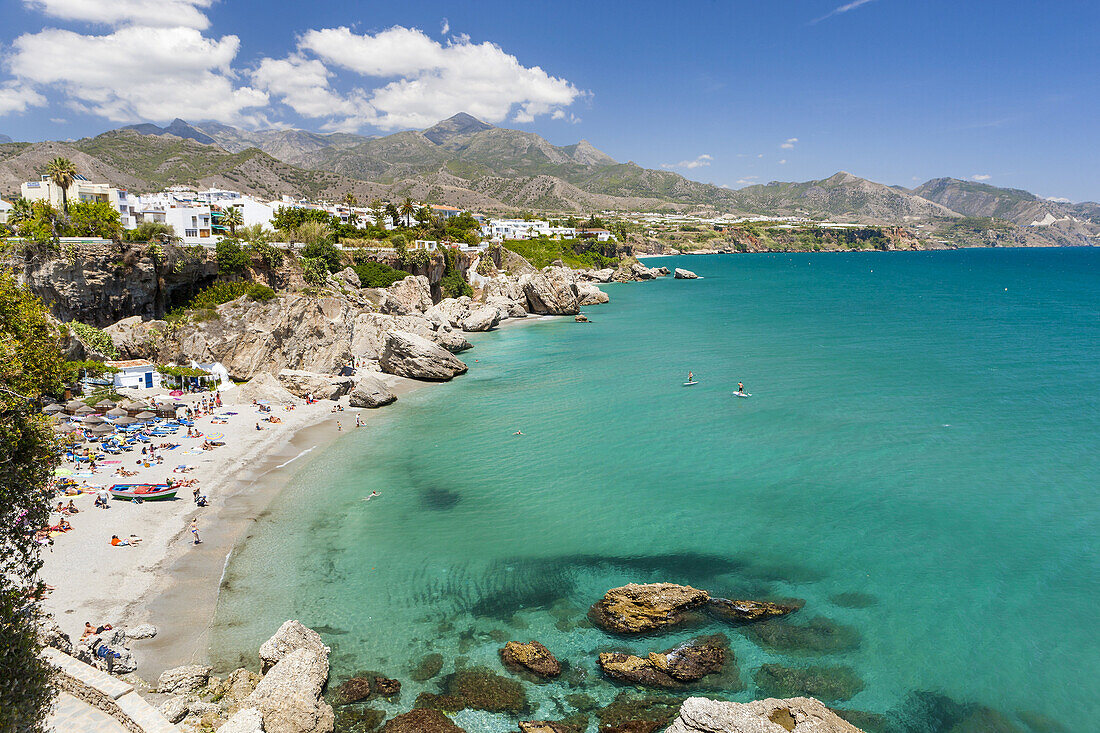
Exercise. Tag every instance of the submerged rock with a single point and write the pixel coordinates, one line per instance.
(428, 667)
(358, 719)
(551, 726)
(798, 715)
(477, 688)
(635, 608)
(355, 689)
(532, 656)
(671, 668)
(924, 711)
(385, 687)
(408, 355)
(828, 683)
(628, 713)
(853, 599)
(422, 721)
(731, 610)
(819, 636)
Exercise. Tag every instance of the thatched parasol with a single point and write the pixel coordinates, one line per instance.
(145, 415)
(51, 409)
(93, 420)
(117, 412)
(102, 429)
(86, 411)
(106, 404)
(126, 421)
(74, 405)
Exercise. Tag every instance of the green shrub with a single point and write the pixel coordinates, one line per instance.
(378, 275)
(219, 293)
(326, 252)
(232, 259)
(453, 286)
(95, 338)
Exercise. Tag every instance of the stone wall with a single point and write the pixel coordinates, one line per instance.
(109, 694)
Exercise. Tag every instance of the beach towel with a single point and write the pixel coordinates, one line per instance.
(112, 461)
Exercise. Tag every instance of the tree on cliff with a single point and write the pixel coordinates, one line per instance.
(233, 219)
(95, 219)
(62, 172)
(30, 365)
(408, 208)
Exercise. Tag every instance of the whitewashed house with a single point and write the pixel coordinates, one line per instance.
(135, 373)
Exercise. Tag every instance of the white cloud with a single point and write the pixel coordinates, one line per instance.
(789, 144)
(161, 13)
(304, 85)
(139, 73)
(747, 180)
(761, 155)
(16, 97)
(701, 162)
(433, 80)
(981, 176)
(843, 9)
(445, 27)
(783, 162)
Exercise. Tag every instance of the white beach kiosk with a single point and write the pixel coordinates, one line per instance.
(135, 373)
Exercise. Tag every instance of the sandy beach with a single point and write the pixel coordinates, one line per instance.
(167, 579)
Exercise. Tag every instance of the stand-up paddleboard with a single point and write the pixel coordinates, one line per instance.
(742, 394)
(690, 384)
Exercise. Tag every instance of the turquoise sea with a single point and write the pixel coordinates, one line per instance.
(919, 462)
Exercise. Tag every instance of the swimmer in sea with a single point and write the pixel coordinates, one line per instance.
(372, 495)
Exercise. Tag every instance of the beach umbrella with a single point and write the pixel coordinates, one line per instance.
(102, 429)
(117, 412)
(176, 393)
(74, 405)
(51, 409)
(145, 415)
(106, 404)
(126, 421)
(93, 420)
(68, 428)
(85, 411)
(132, 405)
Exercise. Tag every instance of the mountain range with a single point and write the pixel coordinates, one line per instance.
(465, 162)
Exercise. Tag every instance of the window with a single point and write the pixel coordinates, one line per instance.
(190, 232)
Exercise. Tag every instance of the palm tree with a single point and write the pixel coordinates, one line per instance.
(233, 219)
(393, 214)
(408, 208)
(62, 172)
(350, 200)
(21, 211)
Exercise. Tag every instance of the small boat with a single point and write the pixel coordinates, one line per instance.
(145, 492)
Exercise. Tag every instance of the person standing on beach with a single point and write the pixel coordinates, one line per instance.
(195, 531)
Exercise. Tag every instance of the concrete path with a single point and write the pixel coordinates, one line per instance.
(74, 716)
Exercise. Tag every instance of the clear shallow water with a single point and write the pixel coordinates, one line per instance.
(924, 430)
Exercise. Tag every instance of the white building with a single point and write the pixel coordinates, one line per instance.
(5, 207)
(135, 373)
(501, 229)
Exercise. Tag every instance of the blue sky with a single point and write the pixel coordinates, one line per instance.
(725, 91)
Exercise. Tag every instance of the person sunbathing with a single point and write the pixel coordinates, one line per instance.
(72, 508)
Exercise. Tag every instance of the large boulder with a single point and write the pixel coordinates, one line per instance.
(346, 278)
(682, 274)
(188, 678)
(135, 338)
(508, 307)
(551, 292)
(371, 392)
(591, 295)
(248, 720)
(174, 708)
(513, 263)
(532, 656)
(635, 608)
(321, 386)
(234, 689)
(408, 355)
(481, 319)
(504, 287)
(407, 297)
(671, 668)
(734, 610)
(289, 695)
(248, 337)
(291, 636)
(142, 631)
(598, 276)
(450, 311)
(793, 715)
(370, 329)
(263, 386)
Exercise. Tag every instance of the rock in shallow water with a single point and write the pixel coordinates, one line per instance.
(682, 274)
(422, 721)
(292, 635)
(289, 696)
(428, 667)
(355, 689)
(731, 610)
(797, 715)
(671, 668)
(635, 608)
(477, 688)
(532, 656)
